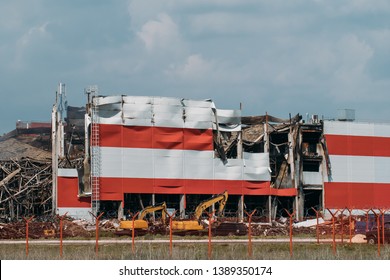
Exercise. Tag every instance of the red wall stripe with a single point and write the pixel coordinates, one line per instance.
(357, 195)
(150, 137)
(68, 190)
(358, 145)
(186, 186)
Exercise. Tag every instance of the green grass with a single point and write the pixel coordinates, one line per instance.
(196, 252)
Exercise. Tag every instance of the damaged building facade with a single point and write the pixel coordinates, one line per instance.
(143, 150)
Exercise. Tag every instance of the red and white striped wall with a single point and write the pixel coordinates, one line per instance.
(68, 195)
(165, 146)
(360, 165)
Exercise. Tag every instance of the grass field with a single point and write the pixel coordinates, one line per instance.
(195, 252)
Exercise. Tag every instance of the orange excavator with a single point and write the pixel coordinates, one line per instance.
(196, 223)
(141, 226)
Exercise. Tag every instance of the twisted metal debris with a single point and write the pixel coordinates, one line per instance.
(26, 187)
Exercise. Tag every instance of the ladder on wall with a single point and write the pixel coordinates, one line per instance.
(95, 156)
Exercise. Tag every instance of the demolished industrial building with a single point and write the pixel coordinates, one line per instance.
(143, 150)
(122, 153)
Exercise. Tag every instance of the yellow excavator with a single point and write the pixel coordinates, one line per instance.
(141, 224)
(195, 224)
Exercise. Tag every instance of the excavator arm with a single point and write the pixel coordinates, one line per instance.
(220, 198)
(151, 209)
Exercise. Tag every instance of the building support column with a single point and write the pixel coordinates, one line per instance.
(241, 209)
(153, 203)
(182, 206)
(120, 210)
(269, 205)
(300, 207)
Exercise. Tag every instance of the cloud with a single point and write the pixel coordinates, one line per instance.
(195, 68)
(33, 36)
(276, 56)
(159, 33)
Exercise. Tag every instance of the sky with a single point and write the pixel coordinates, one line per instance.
(279, 57)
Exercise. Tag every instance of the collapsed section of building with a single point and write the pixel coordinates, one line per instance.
(143, 150)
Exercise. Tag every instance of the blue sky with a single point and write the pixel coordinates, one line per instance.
(275, 56)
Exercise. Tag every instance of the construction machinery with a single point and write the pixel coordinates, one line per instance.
(141, 226)
(196, 223)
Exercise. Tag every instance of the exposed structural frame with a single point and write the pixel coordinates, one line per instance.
(95, 160)
(57, 136)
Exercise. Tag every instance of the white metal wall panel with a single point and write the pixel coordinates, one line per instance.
(232, 170)
(256, 166)
(168, 164)
(167, 101)
(137, 99)
(137, 163)
(67, 172)
(111, 162)
(76, 213)
(137, 122)
(168, 116)
(137, 111)
(198, 103)
(382, 129)
(229, 116)
(155, 111)
(198, 114)
(178, 164)
(200, 118)
(156, 163)
(102, 100)
(199, 165)
(312, 178)
(360, 169)
(356, 129)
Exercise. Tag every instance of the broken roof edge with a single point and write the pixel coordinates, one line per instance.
(250, 120)
(156, 100)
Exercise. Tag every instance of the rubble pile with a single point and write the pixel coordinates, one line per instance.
(38, 230)
(26, 187)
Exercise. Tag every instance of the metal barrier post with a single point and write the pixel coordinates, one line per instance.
(334, 230)
(350, 225)
(97, 232)
(318, 213)
(170, 232)
(27, 222)
(377, 217)
(210, 224)
(383, 211)
(133, 232)
(342, 225)
(250, 231)
(367, 219)
(291, 230)
(61, 227)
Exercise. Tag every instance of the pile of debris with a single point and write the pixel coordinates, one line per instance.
(26, 187)
(17, 149)
(38, 230)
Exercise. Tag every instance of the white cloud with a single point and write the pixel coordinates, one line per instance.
(32, 33)
(26, 41)
(160, 33)
(272, 55)
(195, 68)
